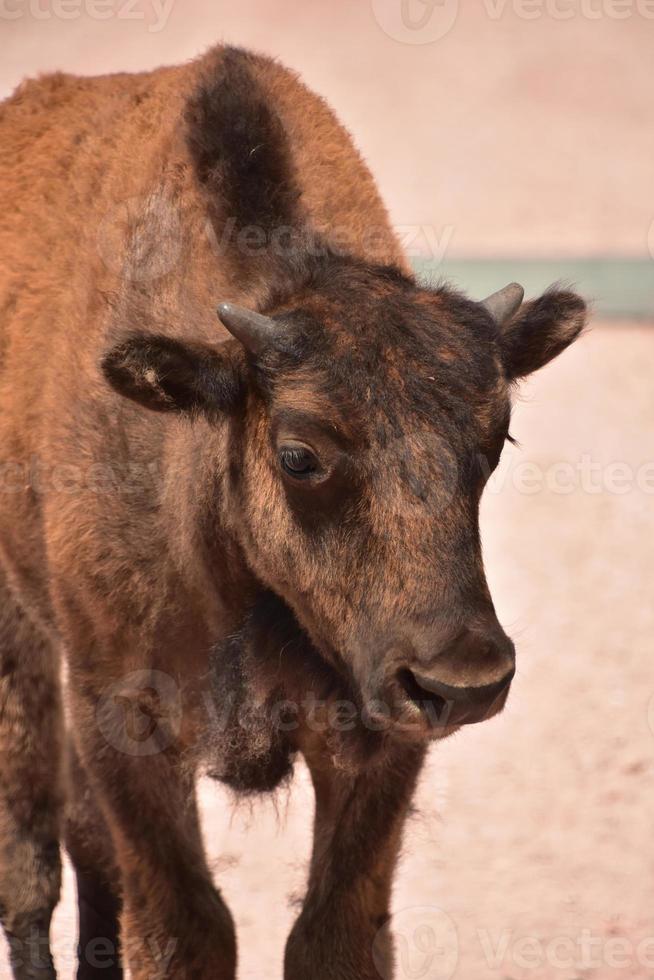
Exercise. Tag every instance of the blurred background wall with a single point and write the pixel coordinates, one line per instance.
(496, 128)
(512, 139)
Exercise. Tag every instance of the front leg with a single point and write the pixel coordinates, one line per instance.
(357, 834)
(90, 850)
(175, 924)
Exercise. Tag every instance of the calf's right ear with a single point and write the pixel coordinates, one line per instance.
(166, 375)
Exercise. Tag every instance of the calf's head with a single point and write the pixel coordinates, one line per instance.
(363, 417)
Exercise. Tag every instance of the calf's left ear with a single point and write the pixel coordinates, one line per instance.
(534, 333)
(166, 375)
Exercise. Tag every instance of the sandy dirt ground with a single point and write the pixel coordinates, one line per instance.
(530, 854)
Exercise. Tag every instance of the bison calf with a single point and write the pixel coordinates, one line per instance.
(271, 511)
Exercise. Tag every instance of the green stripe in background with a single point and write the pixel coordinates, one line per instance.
(617, 287)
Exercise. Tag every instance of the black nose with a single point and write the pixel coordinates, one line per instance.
(466, 683)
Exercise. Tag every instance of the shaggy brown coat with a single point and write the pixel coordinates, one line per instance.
(165, 555)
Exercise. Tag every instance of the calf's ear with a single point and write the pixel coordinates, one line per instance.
(169, 376)
(540, 330)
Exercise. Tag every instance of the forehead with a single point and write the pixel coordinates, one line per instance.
(380, 356)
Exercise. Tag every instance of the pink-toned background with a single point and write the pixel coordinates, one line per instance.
(517, 132)
(514, 129)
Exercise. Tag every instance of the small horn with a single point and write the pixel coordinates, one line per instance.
(504, 303)
(255, 331)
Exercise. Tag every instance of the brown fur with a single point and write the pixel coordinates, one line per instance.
(142, 540)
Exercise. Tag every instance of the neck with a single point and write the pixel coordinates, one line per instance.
(204, 549)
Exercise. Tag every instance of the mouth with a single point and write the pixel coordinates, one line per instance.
(443, 708)
(432, 707)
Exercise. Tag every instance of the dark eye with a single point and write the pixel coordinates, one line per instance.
(298, 461)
